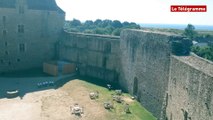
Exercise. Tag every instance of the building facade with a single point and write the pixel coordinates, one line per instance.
(29, 30)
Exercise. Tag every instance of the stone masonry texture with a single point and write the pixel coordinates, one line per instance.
(190, 89)
(27, 36)
(95, 55)
(145, 59)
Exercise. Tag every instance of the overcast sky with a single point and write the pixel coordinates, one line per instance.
(139, 11)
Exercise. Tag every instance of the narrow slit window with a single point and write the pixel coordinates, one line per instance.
(4, 32)
(4, 19)
(6, 52)
(104, 62)
(21, 10)
(22, 47)
(20, 28)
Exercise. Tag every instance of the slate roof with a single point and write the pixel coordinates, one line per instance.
(7, 3)
(33, 4)
(42, 4)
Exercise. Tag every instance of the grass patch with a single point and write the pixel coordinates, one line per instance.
(138, 112)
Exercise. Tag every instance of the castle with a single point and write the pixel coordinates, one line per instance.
(28, 28)
(171, 86)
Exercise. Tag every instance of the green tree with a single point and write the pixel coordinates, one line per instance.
(205, 52)
(117, 24)
(106, 23)
(98, 22)
(107, 27)
(126, 23)
(117, 32)
(75, 23)
(88, 23)
(100, 31)
(190, 32)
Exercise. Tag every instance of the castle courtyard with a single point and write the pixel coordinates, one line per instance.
(55, 104)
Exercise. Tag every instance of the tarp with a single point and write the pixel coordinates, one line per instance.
(58, 67)
(50, 69)
(68, 68)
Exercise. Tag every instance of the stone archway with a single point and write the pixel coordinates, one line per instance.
(135, 87)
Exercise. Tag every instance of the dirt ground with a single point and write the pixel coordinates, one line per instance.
(53, 105)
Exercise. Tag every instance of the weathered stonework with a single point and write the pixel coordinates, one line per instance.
(95, 55)
(28, 35)
(145, 59)
(190, 89)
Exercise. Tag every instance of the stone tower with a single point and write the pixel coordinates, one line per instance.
(29, 30)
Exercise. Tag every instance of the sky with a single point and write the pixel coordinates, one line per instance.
(139, 11)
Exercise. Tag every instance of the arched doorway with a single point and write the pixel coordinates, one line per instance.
(135, 87)
(185, 115)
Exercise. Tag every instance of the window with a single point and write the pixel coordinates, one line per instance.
(104, 62)
(21, 10)
(6, 52)
(4, 19)
(167, 97)
(185, 115)
(20, 28)
(18, 60)
(4, 32)
(207, 106)
(21, 47)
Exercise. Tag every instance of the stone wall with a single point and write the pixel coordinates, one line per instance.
(27, 36)
(95, 55)
(167, 85)
(145, 60)
(190, 91)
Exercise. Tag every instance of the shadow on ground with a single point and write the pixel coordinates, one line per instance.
(27, 81)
